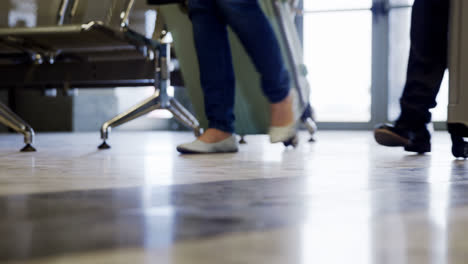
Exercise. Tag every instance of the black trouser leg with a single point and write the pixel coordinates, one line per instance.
(427, 61)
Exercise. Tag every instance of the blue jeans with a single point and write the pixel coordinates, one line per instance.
(210, 19)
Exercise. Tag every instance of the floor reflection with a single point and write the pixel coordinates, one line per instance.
(315, 204)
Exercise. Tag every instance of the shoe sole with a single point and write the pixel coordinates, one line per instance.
(387, 138)
(420, 149)
(187, 151)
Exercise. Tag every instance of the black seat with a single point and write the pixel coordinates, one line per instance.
(93, 54)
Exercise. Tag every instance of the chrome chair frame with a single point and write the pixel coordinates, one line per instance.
(159, 100)
(26, 41)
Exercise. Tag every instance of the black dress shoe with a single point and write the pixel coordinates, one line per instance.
(413, 140)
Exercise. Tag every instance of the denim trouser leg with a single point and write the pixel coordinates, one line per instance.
(427, 61)
(209, 18)
(256, 34)
(214, 57)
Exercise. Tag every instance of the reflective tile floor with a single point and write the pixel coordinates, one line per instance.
(343, 199)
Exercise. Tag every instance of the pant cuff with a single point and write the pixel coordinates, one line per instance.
(228, 128)
(278, 97)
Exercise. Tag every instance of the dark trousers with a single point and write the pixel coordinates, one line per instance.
(210, 19)
(427, 61)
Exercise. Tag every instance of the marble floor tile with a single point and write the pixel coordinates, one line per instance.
(72, 162)
(343, 199)
(408, 238)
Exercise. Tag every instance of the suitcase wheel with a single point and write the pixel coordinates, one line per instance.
(459, 147)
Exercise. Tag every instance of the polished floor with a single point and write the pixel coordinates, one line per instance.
(343, 199)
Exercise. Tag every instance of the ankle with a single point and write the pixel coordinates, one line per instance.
(213, 135)
(282, 112)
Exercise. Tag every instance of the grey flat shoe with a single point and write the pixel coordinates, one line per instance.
(281, 134)
(287, 134)
(228, 145)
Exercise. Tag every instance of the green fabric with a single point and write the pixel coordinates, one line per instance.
(251, 108)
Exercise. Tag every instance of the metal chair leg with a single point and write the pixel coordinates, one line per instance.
(159, 100)
(145, 107)
(308, 119)
(311, 127)
(242, 140)
(13, 121)
(184, 116)
(142, 108)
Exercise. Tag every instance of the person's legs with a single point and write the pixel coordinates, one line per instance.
(209, 18)
(426, 67)
(427, 61)
(214, 57)
(252, 27)
(216, 77)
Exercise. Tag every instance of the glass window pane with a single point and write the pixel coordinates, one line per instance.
(400, 20)
(337, 52)
(401, 2)
(336, 4)
(440, 113)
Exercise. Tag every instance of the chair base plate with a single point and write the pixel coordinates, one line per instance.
(28, 148)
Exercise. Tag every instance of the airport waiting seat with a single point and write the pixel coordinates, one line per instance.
(103, 52)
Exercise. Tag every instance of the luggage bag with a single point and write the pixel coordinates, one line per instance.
(458, 65)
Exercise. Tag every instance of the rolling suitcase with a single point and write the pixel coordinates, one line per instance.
(458, 65)
(251, 105)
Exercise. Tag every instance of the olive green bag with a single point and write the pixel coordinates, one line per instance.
(251, 107)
